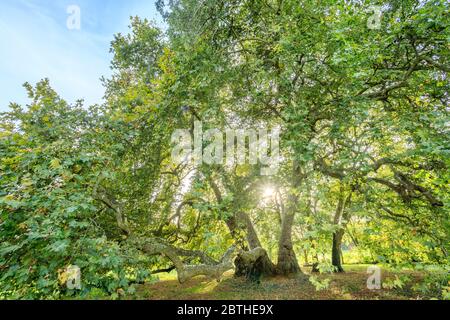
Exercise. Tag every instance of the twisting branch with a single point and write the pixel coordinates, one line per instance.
(116, 207)
(184, 271)
(412, 187)
(405, 187)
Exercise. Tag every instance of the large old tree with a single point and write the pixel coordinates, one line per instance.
(364, 148)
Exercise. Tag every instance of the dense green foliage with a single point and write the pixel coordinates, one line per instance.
(364, 121)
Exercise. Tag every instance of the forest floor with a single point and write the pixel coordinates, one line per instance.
(349, 285)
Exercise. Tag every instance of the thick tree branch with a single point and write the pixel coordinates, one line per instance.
(211, 268)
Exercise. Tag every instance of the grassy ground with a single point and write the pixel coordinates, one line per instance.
(349, 285)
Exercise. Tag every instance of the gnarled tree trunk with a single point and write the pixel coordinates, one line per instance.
(262, 266)
(238, 225)
(253, 264)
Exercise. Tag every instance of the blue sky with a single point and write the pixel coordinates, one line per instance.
(36, 44)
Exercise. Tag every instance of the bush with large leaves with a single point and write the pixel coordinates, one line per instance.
(50, 162)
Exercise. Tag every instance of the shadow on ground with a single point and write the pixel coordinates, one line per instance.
(349, 285)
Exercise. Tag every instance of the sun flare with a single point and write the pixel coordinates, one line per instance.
(268, 192)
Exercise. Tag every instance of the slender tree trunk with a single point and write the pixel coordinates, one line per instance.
(315, 257)
(336, 253)
(305, 255)
(340, 219)
(251, 235)
(315, 265)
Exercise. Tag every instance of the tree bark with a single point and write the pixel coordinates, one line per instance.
(253, 264)
(336, 253)
(240, 221)
(340, 219)
(263, 266)
(287, 261)
(315, 264)
(184, 271)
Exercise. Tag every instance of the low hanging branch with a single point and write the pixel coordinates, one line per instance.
(154, 246)
(209, 267)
